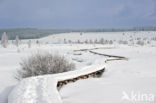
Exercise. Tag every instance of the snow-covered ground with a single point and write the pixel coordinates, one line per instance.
(131, 38)
(133, 77)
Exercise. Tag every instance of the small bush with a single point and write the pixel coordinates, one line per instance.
(141, 43)
(40, 64)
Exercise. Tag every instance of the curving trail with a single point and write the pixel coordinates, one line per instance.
(44, 89)
(110, 56)
(121, 57)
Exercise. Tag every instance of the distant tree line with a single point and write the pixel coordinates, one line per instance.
(32, 33)
(29, 33)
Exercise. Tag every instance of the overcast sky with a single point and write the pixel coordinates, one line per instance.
(77, 13)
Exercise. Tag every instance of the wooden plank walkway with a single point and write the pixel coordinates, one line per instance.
(121, 57)
(94, 74)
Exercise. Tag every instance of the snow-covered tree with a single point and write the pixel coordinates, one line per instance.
(141, 43)
(29, 44)
(81, 33)
(95, 41)
(65, 41)
(101, 41)
(78, 41)
(4, 40)
(110, 42)
(154, 38)
(91, 41)
(69, 41)
(86, 41)
(12, 42)
(148, 42)
(17, 41)
(37, 42)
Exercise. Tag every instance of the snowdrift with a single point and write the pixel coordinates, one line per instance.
(43, 89)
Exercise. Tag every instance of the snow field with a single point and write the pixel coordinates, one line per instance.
(135, 74)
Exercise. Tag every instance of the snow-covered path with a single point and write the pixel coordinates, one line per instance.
(43, 89)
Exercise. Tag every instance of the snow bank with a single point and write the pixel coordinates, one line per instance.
(35, 90)
(42, 89)
(106, 90)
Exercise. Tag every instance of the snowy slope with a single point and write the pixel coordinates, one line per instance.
(135, 76)
(130, 37)
(105, 90)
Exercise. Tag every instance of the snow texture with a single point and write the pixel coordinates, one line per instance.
(42, 89)
(135, 74)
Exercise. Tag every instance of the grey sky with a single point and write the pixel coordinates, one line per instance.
(77, 13)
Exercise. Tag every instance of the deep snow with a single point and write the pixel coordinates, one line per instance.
(43, 89)
(137, 74)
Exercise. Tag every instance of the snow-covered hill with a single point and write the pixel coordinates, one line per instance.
(103, 37)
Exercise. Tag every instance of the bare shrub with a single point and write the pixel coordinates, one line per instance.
(41, 64)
